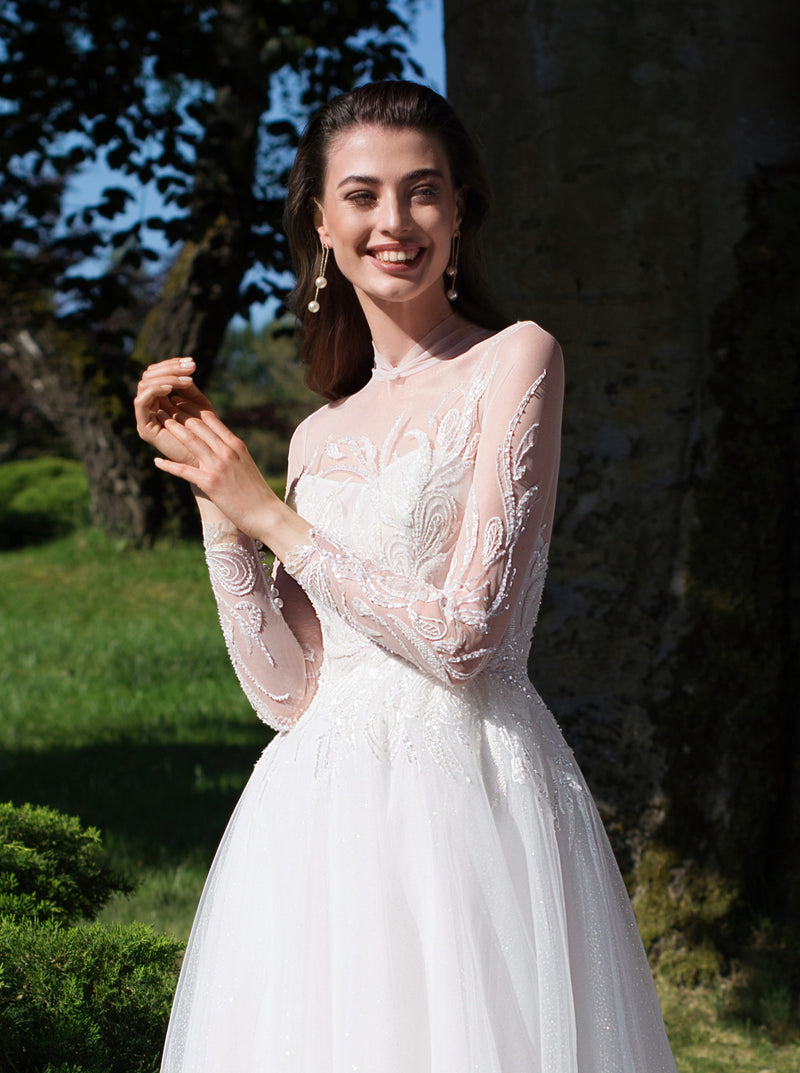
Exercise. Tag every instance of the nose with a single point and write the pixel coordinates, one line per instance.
(394, 216)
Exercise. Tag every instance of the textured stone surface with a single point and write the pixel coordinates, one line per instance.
(621, 139)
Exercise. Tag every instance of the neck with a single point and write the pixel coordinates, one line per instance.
(396, 326)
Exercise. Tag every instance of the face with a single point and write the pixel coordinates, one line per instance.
(389, 211)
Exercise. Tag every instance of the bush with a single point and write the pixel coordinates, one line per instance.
(51, 867)
(74, 999)
(84, 999)
(41, 498)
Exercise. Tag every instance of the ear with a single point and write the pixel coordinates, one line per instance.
(461, 203)
(320, 225)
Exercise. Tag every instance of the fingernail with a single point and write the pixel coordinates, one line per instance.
(186, 363)
(184, 379)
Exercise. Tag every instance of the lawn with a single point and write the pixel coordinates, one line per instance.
(118, 704)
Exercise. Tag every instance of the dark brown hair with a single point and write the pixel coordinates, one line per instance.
(336, 344)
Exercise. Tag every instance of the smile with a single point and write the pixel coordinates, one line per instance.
(397, 256)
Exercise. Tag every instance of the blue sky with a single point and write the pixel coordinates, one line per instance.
(427, 44)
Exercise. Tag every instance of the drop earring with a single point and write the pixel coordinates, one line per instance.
(452, 268)
(320, 282)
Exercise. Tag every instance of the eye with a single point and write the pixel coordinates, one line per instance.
(360, 197)
(425, 193)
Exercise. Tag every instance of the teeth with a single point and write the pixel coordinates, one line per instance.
(396, 255)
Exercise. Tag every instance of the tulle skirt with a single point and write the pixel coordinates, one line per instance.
(416, 880)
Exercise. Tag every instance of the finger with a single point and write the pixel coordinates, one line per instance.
(218, 429)
(165, 385)
(147, 396)
(177, 469)
(184, 408)
(195, 436)
(172, 366)
(189, 390)
(148, 408)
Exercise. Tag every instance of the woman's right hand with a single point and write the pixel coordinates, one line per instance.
(162, 388)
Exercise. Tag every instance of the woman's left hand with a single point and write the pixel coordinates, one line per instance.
(224, 469)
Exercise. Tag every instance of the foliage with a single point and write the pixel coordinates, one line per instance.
(51, 867)
(87, 998)
(182, 97)
(176, 95)
(41, 498)
(84, 999)
(683, 912)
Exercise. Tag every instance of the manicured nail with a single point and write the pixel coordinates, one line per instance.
(184, 379)
(186, 363)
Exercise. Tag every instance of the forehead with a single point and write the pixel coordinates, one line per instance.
(385, 153)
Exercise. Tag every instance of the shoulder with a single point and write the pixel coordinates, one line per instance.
(304, 433)
(529, 342)
(525, 354)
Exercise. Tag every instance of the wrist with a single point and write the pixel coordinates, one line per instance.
(280, 528)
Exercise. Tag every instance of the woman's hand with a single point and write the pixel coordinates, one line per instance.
(178, 420)
(222, 469)
(160, 395)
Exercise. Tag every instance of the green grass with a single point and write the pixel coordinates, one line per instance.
(118, 705)
(708, 1037)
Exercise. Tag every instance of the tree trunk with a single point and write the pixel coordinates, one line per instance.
(622, 140)
(127, 493)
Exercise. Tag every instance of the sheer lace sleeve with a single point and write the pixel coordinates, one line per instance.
(270, 628)
(452, 631)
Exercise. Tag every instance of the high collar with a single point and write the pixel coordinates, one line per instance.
(451, 337)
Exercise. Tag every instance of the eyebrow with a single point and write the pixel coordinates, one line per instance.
(371, 180)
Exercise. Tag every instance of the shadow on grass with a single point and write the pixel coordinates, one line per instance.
(152, 803)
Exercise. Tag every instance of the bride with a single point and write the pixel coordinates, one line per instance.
(415, 879)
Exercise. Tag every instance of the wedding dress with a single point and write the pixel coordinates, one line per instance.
(415, 879)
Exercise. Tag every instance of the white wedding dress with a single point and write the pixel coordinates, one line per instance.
(415, 879)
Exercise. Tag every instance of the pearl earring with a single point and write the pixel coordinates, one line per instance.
(452, 268)
(320, 282)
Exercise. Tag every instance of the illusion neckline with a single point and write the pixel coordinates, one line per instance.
(449, 338)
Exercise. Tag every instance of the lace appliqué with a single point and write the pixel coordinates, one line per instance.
(436, 628)
(246, 594)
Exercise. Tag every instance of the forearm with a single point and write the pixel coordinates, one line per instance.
(276, 667)
(210, 514)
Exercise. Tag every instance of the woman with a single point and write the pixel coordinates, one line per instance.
(415, 879)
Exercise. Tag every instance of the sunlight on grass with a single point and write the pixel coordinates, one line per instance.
(119, 705)
(101, 644)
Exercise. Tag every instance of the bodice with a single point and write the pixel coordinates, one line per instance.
(431, 495)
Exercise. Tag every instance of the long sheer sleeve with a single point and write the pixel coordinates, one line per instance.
(270, 628)
(452, 631)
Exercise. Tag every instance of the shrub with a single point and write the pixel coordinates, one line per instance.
(73, 999)
(41, 498)
(51, 867)
(84, 999)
